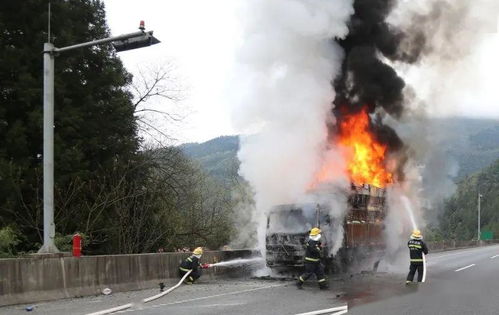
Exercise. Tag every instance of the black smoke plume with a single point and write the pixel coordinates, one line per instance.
(367, 81)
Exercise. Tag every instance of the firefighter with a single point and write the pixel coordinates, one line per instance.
(416, 249)
(313, 260)
(188, 264)
(192, 263)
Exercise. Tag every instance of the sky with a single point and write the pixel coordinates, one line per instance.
(201, 38)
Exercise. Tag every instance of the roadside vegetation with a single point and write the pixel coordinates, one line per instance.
(122, 194)
(459, 219)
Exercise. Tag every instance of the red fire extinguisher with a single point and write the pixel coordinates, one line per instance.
(77, 244)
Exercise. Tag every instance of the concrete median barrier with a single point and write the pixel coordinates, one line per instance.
(40, 278)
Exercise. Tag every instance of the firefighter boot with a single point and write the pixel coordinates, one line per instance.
(323, 285)
(161, 287)
(299, 284)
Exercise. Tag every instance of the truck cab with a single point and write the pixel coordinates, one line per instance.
(288, 227)
(362, 226)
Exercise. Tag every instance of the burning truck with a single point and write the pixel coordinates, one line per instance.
(369, 101)
(362, 225)
(288, 227)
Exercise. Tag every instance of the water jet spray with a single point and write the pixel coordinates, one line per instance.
(236, 262)
(408, 207)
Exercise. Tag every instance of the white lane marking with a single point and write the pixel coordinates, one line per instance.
(214, 305)
(332, 311)
(146, 300)
(465, 267)
(494, 256)
(112, 310)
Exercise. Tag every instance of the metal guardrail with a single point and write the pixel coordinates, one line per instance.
(453, 244)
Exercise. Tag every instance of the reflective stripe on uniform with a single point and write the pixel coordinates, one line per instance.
(301, 279)
(312, 259)
(322, 280)
(191, 278)
(415, 246)
(189, 259)
(417, 260)
(184, 269)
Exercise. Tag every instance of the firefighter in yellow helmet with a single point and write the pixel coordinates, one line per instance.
(416, 250)
(192, 264)
(313, 260)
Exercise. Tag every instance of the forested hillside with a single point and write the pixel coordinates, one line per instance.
(472, 143)
(218, 156)
(460, 217)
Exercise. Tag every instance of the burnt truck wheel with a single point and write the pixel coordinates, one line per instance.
(328, 266)
(338, 265)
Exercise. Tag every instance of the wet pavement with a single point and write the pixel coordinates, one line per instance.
(459, 282)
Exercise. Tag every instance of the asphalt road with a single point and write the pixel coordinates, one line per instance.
(449, 289)
(459, 282)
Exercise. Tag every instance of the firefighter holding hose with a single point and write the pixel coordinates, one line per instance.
(416, 250)
(313, 260)
(192, 264)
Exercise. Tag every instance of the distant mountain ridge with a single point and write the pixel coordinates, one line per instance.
(218, 156)
(473, 143)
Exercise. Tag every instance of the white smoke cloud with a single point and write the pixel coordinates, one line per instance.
(456, 73)
(281, 94)
(405, 201)
(332, 197)
(452, 78)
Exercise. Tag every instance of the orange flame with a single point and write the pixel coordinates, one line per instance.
(365, 156)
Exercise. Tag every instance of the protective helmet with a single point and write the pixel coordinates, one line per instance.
(315, 231)
(198, 251)
(416, 234)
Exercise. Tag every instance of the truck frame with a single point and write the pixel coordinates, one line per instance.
(288, 227)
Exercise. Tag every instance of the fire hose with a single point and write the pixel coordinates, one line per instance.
(157, 296)
(149, 299)
(424, 268)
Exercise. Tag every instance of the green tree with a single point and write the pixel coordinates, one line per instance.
(122, 199)
(459, 220)
(9, 238)
(95, 127)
